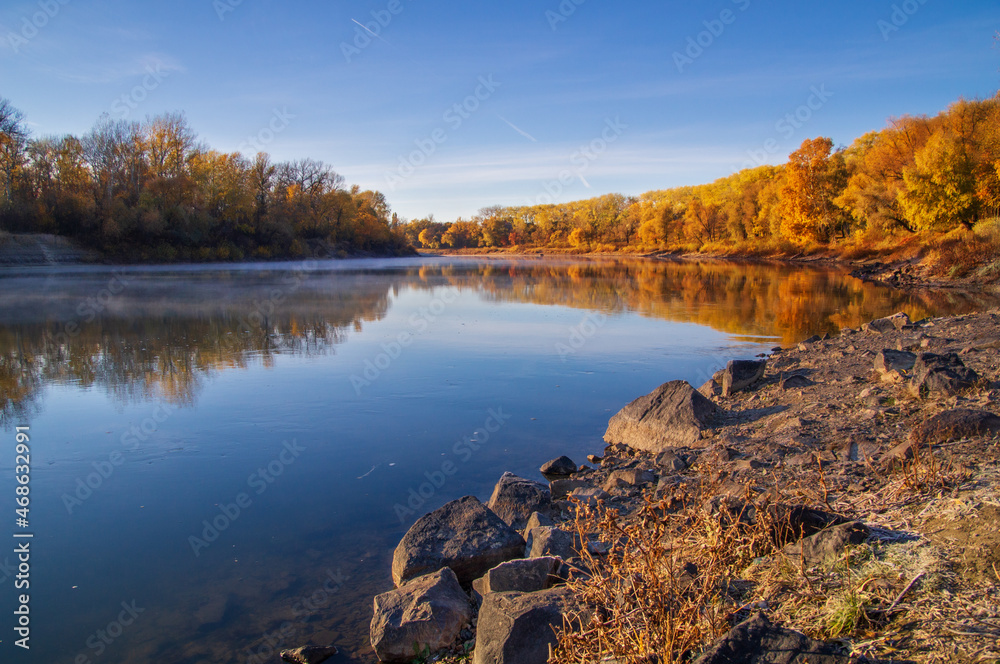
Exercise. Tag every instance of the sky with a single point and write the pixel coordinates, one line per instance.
(448, 107)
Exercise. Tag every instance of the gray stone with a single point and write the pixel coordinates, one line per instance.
(515, 498)
(944, 375)
(591, 496)
(741, 374)
(885, 325)
(759, 641)
(308, 654)
(627, 478)
(518, 628)
(710, 389)
(562, 488)
(428, 612)
(672, 415)
(827, 546)
(525, 576)
(536, 520)
(551, 541)
(671, 461)
(894, 360)
(463, 535)
(561, 466)
(957, 424)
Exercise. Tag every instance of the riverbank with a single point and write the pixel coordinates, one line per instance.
(969, 263)
(845, 489)
(37, 249)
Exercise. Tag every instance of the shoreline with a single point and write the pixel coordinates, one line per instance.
(900, 274)
(854, 430)
(33, 250)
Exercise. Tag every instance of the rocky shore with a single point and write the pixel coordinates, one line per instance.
(836, 501)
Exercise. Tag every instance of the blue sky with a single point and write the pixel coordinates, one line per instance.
(611, 97)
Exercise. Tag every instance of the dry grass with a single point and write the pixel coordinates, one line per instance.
(962, 253)
(676, 576)
(668, 585)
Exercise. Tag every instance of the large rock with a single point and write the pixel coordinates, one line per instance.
(463, 535)
(886, 325)
(943, 375)
(428, 612)
(524, 576)
(894, 360)
(518, 628)
(536, 520)
(515, 498)
(562, 488)
(672, 462)
(741, 374)
(629, 477)
(591, 496)
(956, 424)
(759, 641)
(673, 415)
(551, 541)
(827, 546)
(561, 467)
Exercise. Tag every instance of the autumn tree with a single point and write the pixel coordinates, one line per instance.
(13, 141)
(815, 177)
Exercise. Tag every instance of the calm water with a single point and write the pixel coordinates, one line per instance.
(234, 452)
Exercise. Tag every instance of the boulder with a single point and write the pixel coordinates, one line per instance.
(514, 499)
(308, 654)
(627, 478)
(827, 546)
(536, 520)
(428, 612)
(673, 415)
(590, 496)
(944, 375)
(671, 462)
(525, 576)
(894, 360)
(710, 389)
(518, 628)
(758, 641)
(463, 535)
(551, 541)
(741, 374)
(563, 466)
(956, 424)
(886, 325)
(562, 488)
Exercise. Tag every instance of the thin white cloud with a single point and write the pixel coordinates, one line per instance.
(518, 129)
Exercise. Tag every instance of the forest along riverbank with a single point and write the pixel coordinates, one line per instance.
(836, 499)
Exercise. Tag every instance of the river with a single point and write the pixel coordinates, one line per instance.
(224, 457)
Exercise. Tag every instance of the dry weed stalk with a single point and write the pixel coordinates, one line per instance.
(666, 586)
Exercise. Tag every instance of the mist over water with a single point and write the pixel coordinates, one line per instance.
(233, 452)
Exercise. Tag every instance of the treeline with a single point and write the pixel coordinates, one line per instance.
(918, 175)
(151, 191)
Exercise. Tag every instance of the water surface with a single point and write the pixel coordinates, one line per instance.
(233, 452)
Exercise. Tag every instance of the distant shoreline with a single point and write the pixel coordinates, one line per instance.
(35, 249)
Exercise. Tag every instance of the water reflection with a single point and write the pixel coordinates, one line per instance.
(156, 334)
